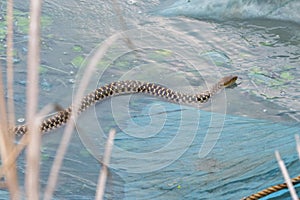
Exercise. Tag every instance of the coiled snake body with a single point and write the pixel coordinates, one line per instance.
(130, 87)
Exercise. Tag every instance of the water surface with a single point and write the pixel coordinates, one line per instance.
(163, 150)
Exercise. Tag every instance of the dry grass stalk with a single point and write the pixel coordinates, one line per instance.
(123, 25)
(3, 116)
(298, 144)
(6, 146)
(286, 176)
(6, 138)
(9, 61)
(13, 155)
(105, 163)
(33, 154)
(33, 150)
(9, 151)
(89, 72)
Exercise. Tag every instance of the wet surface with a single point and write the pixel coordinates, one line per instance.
(162, 150)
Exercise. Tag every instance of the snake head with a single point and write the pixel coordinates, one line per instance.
(228, 81)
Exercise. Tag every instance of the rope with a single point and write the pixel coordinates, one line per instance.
(271, 190)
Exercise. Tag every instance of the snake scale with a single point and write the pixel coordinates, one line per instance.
(129, 87)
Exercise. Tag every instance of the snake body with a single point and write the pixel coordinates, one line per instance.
(129, 87)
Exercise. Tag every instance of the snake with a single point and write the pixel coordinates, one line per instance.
(124, 88)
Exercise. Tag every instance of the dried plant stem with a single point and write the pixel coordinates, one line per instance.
(23, 142)
(6, 146)
(123, 25)
(12, 156)
(298, 145)
(105, 163)
(33, 151)
(33, 59)
(70, 125)
(286, 176)
(9, 60)
(3, 116)
(7, 139)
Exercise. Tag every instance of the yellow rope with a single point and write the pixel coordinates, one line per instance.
(271, 190)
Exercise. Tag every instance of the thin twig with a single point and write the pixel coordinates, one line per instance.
(3, 116)
(9, 161)
(56, 69)
(3, 123)
(70, 125)
(123, 24)
(286, 176)
(298, 144)
(9, 60)
(33, 151)
(84, 181)
(106, 161)
(23, 142)
(8, 146)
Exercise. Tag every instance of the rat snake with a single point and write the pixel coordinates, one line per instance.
(129, 87)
